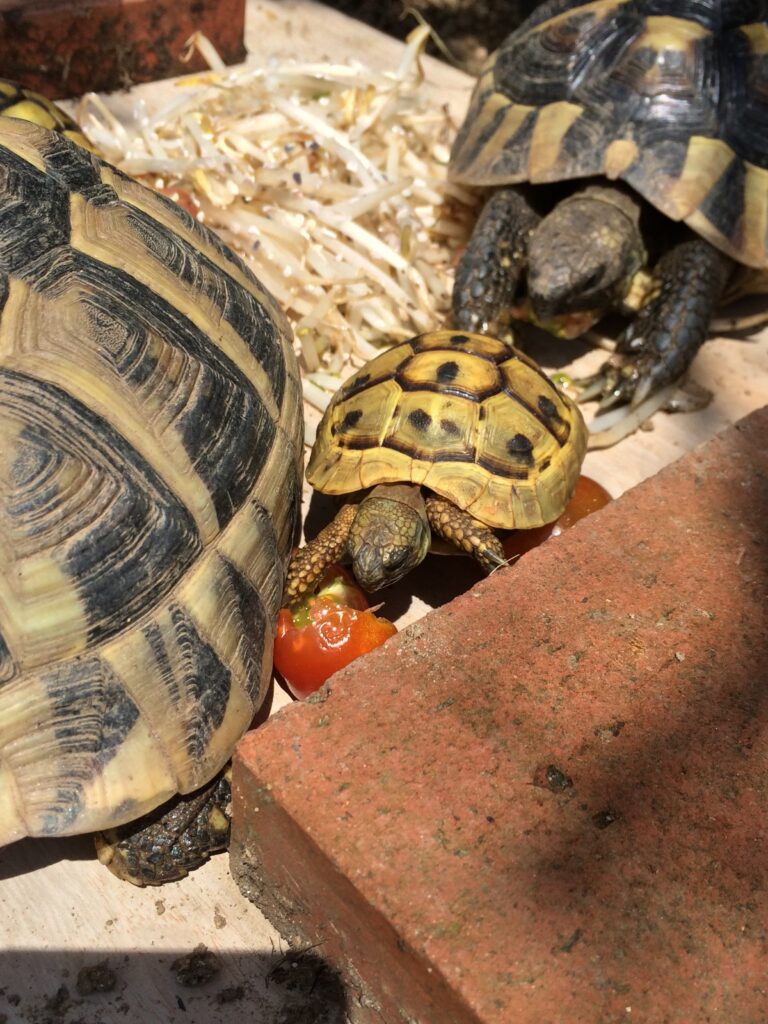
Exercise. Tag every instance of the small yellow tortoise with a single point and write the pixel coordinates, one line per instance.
(150, 466)
(26, 105)
(450, 433)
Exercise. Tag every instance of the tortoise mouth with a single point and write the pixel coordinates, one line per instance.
(562, 325)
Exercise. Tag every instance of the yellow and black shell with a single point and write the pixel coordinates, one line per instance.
(16, 101)
(671, 97)
(150, 460)
(466, 416)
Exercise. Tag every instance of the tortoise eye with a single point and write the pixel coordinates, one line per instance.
(396, 558)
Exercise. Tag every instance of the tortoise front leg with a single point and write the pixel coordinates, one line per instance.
(489, 270)
(661, 342)
(465, 532)
(310, 562)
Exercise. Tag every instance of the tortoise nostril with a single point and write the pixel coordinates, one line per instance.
(592, 281)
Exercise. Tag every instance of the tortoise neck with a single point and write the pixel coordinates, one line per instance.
(406, 494)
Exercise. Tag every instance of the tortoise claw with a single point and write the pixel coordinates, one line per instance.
(588, 388)
(619, 381)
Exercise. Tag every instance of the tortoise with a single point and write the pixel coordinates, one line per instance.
(151, 444)
(626, 142)
(18, 102)
(453, 434)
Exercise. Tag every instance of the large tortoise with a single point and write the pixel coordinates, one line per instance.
(150, 466)
(452, 434)
(658, 111)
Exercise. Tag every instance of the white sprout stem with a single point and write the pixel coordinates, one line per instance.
(610, 427)
(206, 49)
(331, 137)
(315, 395)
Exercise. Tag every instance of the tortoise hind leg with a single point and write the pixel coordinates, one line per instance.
(662, 340)
(465, 532)
(489, 270)
(172, 840)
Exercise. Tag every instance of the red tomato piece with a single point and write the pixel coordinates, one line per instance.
(588, 497)
(326, 632)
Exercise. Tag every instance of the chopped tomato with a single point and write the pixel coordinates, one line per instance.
(588, 497)
(327, 631)
(341, 586)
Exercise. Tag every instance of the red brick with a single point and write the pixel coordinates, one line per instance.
(67, 47)
(409, 823)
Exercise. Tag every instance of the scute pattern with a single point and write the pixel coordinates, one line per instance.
(16, 101)
(24, 239)
(195, 678)
(494, 436)
(671, 97)
(81, 506)
(150, 456)
(91, 715)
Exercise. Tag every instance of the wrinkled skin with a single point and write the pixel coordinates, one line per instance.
(172, 840)
(389, 537)
(584, 254)
(583, 259)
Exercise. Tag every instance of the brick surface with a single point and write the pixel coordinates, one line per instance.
(67, 47)
(547, 801)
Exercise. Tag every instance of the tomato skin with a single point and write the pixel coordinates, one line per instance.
(325, 633)
(341, 586)
(588, 497)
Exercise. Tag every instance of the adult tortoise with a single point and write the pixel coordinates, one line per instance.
(150, 466)
(450, 433)
(620, 135)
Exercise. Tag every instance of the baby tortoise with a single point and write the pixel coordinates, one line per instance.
(450, 433)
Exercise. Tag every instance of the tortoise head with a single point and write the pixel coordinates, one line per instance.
(389, 536)
(584, 254)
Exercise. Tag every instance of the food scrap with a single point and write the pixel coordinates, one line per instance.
(588, 496)
(325, 632)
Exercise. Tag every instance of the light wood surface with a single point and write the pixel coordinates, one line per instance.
(62, 911)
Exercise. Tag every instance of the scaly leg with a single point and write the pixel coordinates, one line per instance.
(310, 562)
(489, 270)
(464, 531)
(661, 342)
(172, 840)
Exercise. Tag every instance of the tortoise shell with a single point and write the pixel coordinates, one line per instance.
(16, 101)
(465, 415)
(150, 450)
(670, 97)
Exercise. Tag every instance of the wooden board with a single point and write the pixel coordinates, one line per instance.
(61, 911)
